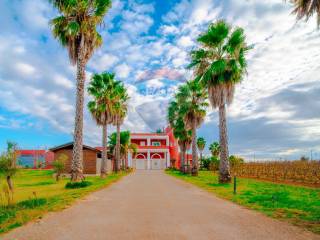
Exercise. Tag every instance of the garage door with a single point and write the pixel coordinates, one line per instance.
(157, 164)
(140, 164)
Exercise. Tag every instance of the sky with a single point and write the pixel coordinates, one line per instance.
(275, 113)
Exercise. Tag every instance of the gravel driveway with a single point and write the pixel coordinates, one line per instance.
(153, 205)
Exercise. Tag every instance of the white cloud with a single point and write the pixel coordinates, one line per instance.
(25, 68)
(104, 62)
(122, 70)
(185, 41)
(63, 81)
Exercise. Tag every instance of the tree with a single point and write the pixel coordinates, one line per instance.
(159, 130)
(219, 65)
(8, 165)
(179, 131)
(235, 160)
(101, 88)
(125, 146)
(215, 149)
(306, 9)
(59, 165)
(192, 100)
(201, 143)
(76, 29)
(119, 112)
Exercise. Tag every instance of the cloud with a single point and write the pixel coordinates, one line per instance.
(122, 70)
(104, 62)
(63, 81)
(185, 41)
(24, 68)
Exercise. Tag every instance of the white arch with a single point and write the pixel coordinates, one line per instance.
(140, 154)
(156, 154)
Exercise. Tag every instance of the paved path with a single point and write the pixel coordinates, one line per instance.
(152, 205)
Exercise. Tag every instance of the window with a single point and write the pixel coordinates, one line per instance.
(156, 144)
(142, 143)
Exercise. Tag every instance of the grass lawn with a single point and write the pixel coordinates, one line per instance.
(296, 204)
(36, 192)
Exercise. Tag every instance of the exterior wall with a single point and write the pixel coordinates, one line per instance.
(173, 148)
(89, 160)
(30, 158)
(138, 141)
(162, 141)
(157, 155)
(141, 155)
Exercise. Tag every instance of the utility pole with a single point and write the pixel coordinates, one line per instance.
(311, 155)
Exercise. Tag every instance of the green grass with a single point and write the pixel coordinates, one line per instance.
(296, 204)
(36, 192)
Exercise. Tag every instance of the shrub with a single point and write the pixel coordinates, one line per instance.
(235, 160)
(210, 163)
(59, 165)
(82, 184)
(32, 203)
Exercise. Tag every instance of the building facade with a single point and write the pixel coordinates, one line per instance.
(152, 151)
(155, 151)
(35, 158)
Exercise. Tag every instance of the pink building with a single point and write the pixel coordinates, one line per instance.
(155, 151)
(152, 153)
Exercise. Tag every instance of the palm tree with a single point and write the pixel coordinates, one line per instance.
(201, 143)
(192, 100)
(76, 29)
(183, 136)
(119, 112)
(306, 9)
(215, 149)
(125, 145)
(101, 87)
(219, 65)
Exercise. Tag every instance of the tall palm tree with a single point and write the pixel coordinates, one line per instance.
(215, 149)
(76, 29)
(101, 87)
(306, 9)
(201, 144)
(183, 136)
(192, 100)
(119, 112)
(219, 65)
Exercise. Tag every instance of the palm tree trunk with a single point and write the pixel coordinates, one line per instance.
(104, 152)
(77, 155)
(118, 148)
(9, 182)
(194, 150)
(182, 153)
(224, 168)
(200, 155)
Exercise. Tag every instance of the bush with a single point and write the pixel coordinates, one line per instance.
(82, 184)
(59, 165)
(32, 203)
(235, 161)
(210, 163)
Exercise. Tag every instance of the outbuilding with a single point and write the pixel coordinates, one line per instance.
(91, 157)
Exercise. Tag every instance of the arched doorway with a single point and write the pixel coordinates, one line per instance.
(140, 161)
(157, 161)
